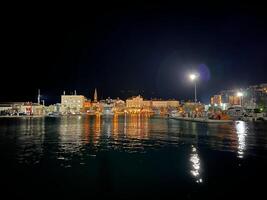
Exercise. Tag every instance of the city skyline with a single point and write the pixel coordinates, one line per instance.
(133, 100)
(125, 95)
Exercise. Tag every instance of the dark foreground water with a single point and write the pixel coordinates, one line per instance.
(131, 157)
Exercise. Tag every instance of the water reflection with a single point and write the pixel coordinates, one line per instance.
(30, 141)
(166, 155)
(115, 126)
(97, 127)
(78, 136)
(87, 129)
(136, 126)
(195, 165)
(241, 131)
(70, 134)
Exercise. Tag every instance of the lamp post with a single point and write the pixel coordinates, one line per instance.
(193, 77)
(240, 95)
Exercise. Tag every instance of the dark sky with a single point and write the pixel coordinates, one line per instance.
(123, 50)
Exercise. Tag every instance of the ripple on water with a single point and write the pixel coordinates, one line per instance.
(70, 137)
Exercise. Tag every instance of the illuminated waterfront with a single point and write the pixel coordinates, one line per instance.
(130, 156)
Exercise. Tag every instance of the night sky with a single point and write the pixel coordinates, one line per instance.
(125, 50)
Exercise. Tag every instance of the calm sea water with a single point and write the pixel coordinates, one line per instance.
(131, 157)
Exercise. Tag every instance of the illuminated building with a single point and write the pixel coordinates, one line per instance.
(32, 109)
(252, 97)
(138, 104)
(54, 108)
(135, 102)
(147, 106)
(72, 103)
(216, 99)
(173, 103)
(26, 108)
(225, 99)
(234, 100)
(119, 105)
(256, 97)
(147, 103)
(159, 104)
(87, 104)
(162, 106)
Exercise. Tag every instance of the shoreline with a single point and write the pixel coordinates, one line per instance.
(203, 120)
(24, 116)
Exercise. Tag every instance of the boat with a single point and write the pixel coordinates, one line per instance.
(204, 120)
(235, 112)
(254, 115)
(53, 114)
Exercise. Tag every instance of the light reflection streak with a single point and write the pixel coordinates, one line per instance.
(195, 165)
(97, 128)
(129, 132)
(115, 126)
(87, 129)
(70, 130)
(241, 131)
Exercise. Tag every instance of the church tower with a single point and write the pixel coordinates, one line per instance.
(95, 96)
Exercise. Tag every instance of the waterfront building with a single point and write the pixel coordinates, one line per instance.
(147, 103)
(25, 108)
(135, 102)
(216, 100)
(225, 99)
(253, 97)
(158, 104)
(72, 104)
(5, 107)
(256, 97)
(147, 106)
(87, 103)
(119, 105)
(163, 106)
(107, 106)
(8, 108)
(30, 108)
(54, 108)
(173, 103)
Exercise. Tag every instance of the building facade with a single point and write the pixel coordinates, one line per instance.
(72, 104)
(135, 102)
(253, 97)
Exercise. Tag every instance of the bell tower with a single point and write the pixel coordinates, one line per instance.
(95, 95)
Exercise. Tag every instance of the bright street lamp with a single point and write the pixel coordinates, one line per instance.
(239, 94)
(193, 77)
